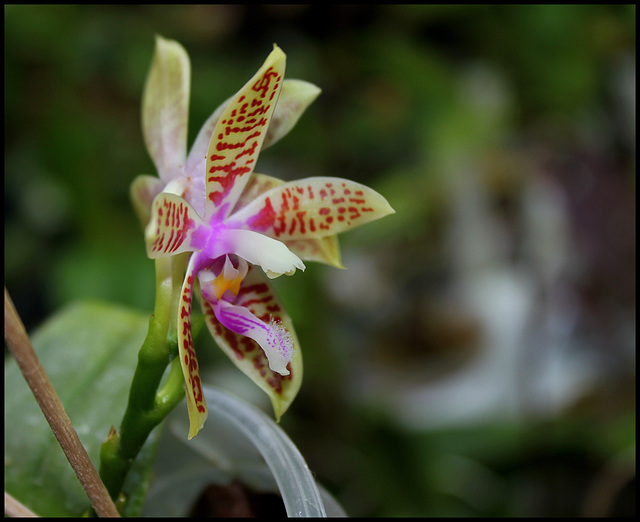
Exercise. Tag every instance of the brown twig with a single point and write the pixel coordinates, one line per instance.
(13, 508)
(53, 410)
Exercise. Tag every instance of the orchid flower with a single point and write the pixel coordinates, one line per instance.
(244, 221)
(165, 111)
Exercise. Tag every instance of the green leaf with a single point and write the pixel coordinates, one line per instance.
(89, 351)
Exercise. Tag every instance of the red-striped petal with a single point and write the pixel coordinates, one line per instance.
(239, 134)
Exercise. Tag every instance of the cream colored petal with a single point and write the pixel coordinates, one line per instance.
(165, 108)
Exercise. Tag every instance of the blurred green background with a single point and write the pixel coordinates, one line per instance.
(477, 357)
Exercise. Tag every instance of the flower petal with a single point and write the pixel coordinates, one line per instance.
(258, 296)
(257, 184)
(239, 134)
(311, 208)
(196, 405)
(271, 255)
(295, 97)
(229, 278)
(165, 108)
(173, 220)
(273, 338)
(142, 191)
(323, 250)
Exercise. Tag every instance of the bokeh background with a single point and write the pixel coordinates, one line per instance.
(477, 357)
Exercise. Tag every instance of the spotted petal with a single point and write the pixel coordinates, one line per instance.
(196, 405)
(295, 97)
(172, 224)
(259, 298)
(165, 108)
(311, 208)
(322, 250)
(239, 134)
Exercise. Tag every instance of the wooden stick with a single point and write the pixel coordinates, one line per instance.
(53, 410)
(13, 508)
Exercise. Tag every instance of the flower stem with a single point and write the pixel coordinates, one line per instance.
(147, 405)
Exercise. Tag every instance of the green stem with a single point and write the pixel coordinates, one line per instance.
(147, 406)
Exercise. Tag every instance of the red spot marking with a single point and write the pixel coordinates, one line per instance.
(340, 218)
(232, 340)
(236, 130)
(171, 238)
(275, 89)
(246, 345)
(264, 219)
(180, 223)
(359, 193)
(335, 201)
(227, 181)
(329, 220)
(263, 84)
(354, 213)
(190, 360)
(259, 363)
(300, 216)
(275, 381)
(265, 318)
(323, 193)
(259, 288)
(312, 225)
(250, 302)
(292, 227)
(248, 151)
(324, 211)
(282, 215)
(224, 145)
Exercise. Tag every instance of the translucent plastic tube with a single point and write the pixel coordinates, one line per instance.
(295, 482)
(239, 442)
